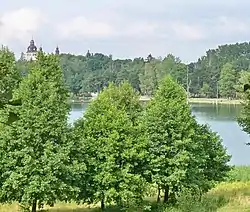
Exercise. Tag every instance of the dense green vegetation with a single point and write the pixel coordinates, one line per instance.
(216, 74)
(121, 154)
(118, 154)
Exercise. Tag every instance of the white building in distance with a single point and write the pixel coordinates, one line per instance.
(32, 51)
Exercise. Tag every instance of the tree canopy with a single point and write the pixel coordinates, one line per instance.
(110, 131)
(35, 149)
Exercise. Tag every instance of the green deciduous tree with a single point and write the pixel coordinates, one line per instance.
(178, 145)
(227, 81)
(110, 132)
(36, 166)
(209, 164)
(206, 90)
(244, 118)
(244, 78)
(170, 129)
(9, 80)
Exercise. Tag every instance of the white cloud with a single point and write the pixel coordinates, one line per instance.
(187, 32)
(140, 29)
(20, 24)
(82, 27)
(232, 25)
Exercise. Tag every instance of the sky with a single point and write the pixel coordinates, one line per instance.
(125, 28)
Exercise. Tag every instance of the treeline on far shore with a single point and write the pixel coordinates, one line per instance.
(220, 73)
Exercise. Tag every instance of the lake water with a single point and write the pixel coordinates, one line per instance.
(221, 118)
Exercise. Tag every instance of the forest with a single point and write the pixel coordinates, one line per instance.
(218, 74)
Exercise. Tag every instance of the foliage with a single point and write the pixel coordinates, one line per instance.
(9, 80)
(209, 166)
(244, 78)
(92, 72)
(182, 152)
(244, 118)
(169, 129)
(110, 132)
(35, 164)
(239, 173)
(227, 81)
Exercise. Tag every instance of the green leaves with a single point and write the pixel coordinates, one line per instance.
(227, 81)
(35, 165)
(9, 80)
(117, 150)
(111, 136)
(178, 146)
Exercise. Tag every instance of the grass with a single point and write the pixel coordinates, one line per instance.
(190, 100)
(214, 101)
(230, 196)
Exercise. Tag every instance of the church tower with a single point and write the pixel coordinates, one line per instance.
(31, 51)
(57, 51)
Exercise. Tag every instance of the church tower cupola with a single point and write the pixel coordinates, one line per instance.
(57, 51)
(32, 47)
(31, 51)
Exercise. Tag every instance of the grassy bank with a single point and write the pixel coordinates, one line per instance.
(190, 100)
(214, 101)
(230, 196)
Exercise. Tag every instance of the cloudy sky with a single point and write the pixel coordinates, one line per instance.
(125, 28)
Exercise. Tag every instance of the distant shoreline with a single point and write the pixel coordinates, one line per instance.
(190, 100)
(215, 101)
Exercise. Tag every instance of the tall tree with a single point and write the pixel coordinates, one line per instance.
(35, 165)
(169, 128)
(178, 145)
(115, 146)
(227, 81)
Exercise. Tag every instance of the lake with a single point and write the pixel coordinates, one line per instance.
(221, 118)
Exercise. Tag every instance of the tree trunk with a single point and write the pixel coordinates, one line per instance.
(102, 204)
(172, 195)
(33, 206)
(159, 194)
(166, 194)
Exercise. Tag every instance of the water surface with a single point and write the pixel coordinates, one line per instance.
(221, 118)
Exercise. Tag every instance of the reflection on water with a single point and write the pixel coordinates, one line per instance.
(217, 112)
(221, 118)
(77, 111)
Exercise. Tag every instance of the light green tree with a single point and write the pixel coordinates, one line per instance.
(150, 76)
(169, 129)
(206, 91)
(178, 145)
(36, 167)
(110, 131)
(227, 81)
